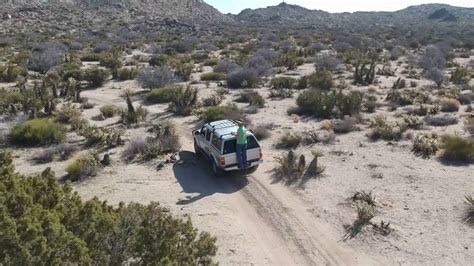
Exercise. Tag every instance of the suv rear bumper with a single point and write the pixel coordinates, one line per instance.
(234, 167)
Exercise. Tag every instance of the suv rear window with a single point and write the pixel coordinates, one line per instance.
(230, 145)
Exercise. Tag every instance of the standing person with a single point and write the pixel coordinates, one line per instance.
(241, 148)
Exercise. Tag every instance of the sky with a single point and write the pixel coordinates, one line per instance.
(235, 6)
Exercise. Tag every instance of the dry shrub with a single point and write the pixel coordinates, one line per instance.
(383, 129)
(161, 95)
(346, 125)
(365, 212)
(426, 145)
(165, 140)
(60, 151)
(67, 114)
(109, 111)
(362, 196)
(318, 136)
(290, 140)
(215, 113)
(262, 131)
(253, 98)
(441, 120)
(212, 100)
(449, 105)
(184, 100)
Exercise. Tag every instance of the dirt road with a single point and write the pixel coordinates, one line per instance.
(255, 221)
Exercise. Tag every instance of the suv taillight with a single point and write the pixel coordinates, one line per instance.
(261, 154)
(222, 160)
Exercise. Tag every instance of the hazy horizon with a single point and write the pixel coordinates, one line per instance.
(236, 6)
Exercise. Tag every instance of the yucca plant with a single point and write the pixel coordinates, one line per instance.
(470, 210)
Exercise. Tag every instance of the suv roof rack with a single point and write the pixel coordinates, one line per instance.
(222, 124)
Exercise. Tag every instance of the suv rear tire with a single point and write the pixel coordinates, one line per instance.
(218, 172)
(197, 150)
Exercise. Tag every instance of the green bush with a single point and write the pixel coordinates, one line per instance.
(85, 166)
(184, 100)
(282, 83)
(110, 60)
(96, 76)
(126, 73)
(215, 113)
(349, 104)
(162, 95)
(253, 98)
(321, 80)
(10, 73)
(184, 71)
(317, 103)
(67, 114)
(213, 76)
(43, 220)
(456, 148)
(37, 132)
(109, 111)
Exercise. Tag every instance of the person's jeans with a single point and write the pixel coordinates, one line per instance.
(242, 155)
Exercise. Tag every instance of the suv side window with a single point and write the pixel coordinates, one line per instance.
(208, 134)
(216, 142)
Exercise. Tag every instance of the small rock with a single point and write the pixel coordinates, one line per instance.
(160, 166)
(106, 161)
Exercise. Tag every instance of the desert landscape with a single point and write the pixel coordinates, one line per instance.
(367, 132)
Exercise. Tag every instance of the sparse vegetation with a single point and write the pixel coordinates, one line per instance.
(156, 77)
(213, 76)
(469, 218)
(96, 76)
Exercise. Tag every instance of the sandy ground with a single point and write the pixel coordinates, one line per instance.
(260, 221)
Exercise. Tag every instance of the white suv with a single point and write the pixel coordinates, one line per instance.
(217, 143)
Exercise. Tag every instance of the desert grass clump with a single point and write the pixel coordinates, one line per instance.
(184, 100)
(469, 217)
(457, 149)
(109, 111)
(425, 145)
(363, 196)
(383, 129)
(37, 132)
(449, 105)
(85, 166)
(213, 76)
(290, 140)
